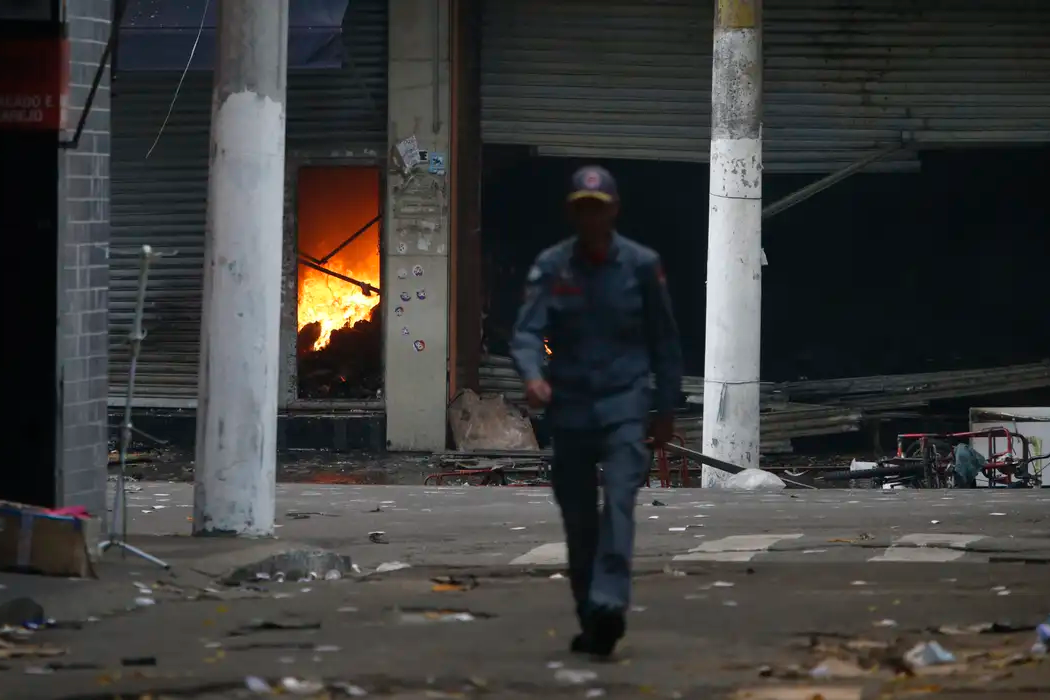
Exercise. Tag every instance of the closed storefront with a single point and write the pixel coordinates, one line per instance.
(946, 103)
(631, 79)
(161, 115)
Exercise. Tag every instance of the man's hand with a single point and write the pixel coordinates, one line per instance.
(537, 393)
(661, 429)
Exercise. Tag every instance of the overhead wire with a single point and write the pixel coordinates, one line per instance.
(182, 78)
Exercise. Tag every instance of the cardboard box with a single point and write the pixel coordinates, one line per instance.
(33, 540)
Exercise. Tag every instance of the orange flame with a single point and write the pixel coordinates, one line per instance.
(333, 302)
(332, 202)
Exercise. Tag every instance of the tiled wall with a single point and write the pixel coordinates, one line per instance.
(84, 272)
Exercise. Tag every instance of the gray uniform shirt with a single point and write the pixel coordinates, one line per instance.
(609, 325)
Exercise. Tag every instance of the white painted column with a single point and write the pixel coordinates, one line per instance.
(237, 402)
(415, 231)
(734, 251)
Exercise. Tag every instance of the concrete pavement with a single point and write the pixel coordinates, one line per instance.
(718, 632)
(476, 526)
(736, 595)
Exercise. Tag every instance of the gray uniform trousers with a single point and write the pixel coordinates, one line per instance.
(600, 544)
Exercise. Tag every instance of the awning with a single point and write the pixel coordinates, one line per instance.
(159, 35)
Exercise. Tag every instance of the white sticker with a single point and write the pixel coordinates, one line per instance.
(402, 274)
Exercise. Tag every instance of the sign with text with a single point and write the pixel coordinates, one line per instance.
(33, 84)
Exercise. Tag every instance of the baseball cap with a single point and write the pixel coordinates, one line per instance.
(593, 182)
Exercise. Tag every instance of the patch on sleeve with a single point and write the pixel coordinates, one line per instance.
(660, 276)
(535, 273)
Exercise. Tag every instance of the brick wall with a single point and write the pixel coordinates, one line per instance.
(84, 268)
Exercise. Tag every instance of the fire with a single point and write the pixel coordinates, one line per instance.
(334, 303)
(547, 347)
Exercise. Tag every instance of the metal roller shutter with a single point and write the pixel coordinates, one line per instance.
(161, 200)
(843, 78)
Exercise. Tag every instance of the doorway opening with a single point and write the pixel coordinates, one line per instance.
(339, 343)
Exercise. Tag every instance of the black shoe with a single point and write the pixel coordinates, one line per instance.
(605, 629)
(581, 644)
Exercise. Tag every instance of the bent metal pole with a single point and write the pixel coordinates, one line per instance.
(237, 394)
(734, 248)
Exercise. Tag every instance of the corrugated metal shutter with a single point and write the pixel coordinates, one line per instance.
(161, 201)
(843, 78)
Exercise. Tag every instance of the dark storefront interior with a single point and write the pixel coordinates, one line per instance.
(880, 274)
(339, 344)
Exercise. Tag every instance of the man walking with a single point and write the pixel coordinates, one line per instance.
(601, 302)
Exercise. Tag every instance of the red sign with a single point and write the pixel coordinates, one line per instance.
(33, 84)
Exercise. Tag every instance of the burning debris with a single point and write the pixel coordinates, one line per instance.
(347, 366)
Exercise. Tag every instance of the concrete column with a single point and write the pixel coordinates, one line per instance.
(734, 253)
(416, 239)
(237, 401)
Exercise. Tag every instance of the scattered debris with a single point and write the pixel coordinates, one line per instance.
(260, 625)
(489, 422)
(378, 537)
(305, 515)
(574, 677)
(20, 612)
(755, 480)
(444, 584)
(837, 668)
(11, 650)
(658, 503)
(1042, 635)
(885, 623)
(144, 602)
(416, 617)
(354, 691)
(290, 563)
(296, 686)
(809, 692)
(41, 541)
(258, 685)
(928, 654)
(389, 566)
(982, 628)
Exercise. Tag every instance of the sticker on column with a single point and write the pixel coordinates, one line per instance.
(402, 274)
(402, 247)
(399, 311)
(437, 164)
(417, 271)
(408, 149)
(405, 296)
(421, 294)
(404, 330)
(419, 345)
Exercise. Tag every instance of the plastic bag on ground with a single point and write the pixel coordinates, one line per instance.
(754, 480)
(489, 423)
